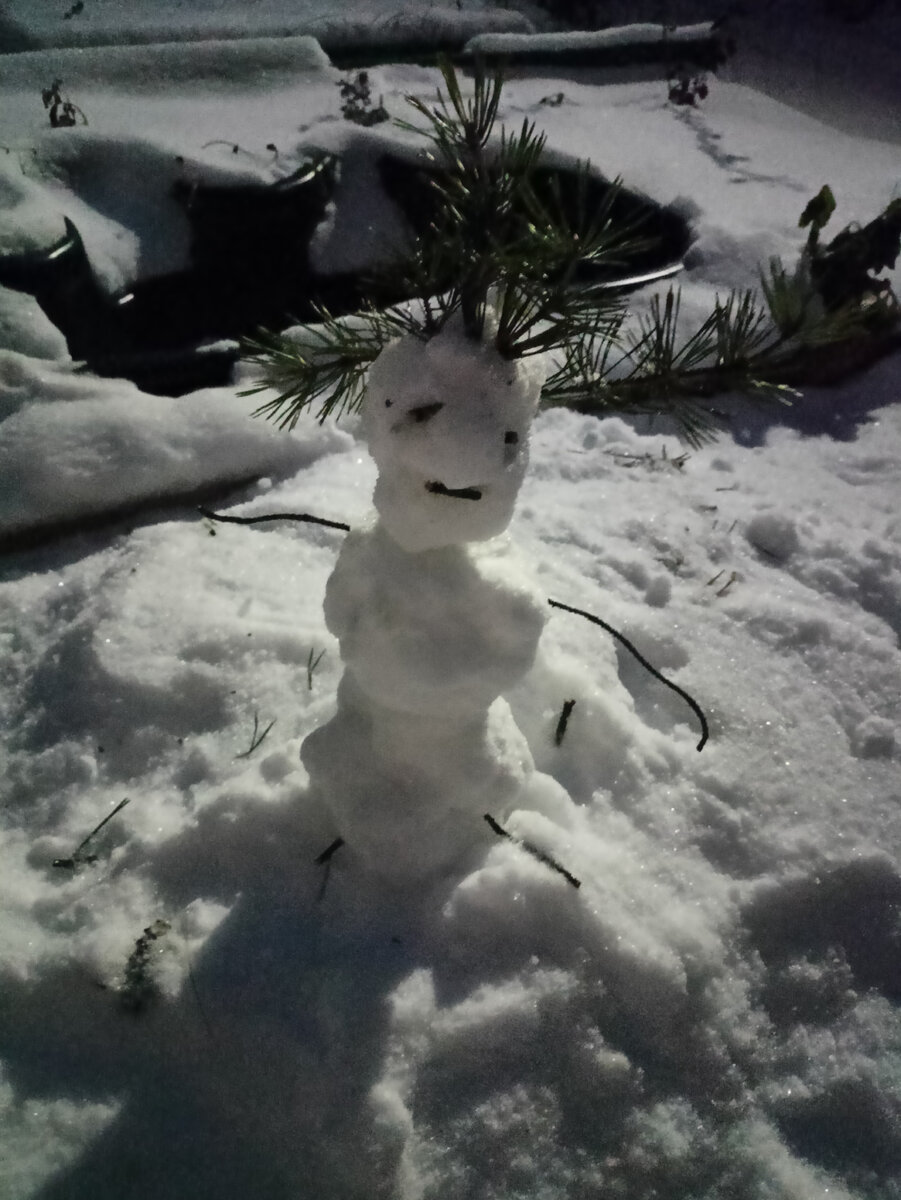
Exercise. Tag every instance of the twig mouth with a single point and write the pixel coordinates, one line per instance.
(465, 493)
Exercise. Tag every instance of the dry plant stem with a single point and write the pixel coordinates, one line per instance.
(534, 851)
(326, 855)
(213, 516)
(79, 856)
(312, 664)
(139, 988)
(693, 704)
(325, 860)
(560, 731)
(257, 738)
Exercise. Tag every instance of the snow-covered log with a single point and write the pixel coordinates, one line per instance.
(412, 34)
(702, 47)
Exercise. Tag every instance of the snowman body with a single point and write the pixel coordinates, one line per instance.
(435, 612)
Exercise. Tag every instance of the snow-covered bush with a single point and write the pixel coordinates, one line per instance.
(516, 246)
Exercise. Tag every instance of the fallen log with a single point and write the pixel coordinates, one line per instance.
(702, 47)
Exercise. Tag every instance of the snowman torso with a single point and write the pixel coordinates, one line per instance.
(443, 631)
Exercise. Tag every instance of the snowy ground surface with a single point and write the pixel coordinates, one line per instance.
(714, 1013)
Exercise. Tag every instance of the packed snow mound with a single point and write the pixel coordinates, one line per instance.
(193, 66)
(359, 24)
(625, 35)
(362, 225)
(74, 445)
(421, 25)
(24, 327)
(28, 221)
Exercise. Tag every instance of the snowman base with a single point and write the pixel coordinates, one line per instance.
(408, 794)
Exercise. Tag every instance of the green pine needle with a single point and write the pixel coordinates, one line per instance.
(505, 234)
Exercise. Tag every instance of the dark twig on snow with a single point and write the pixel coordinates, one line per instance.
(79, 857)
(693, 704)
(257, 737)
(312, 664)
(560, 732)
(532, 849)
(325, 860)
(326, 855)
(214, 516)
(235, 148)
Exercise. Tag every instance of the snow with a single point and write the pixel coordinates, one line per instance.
(39, 23)
(714, 1011)
(23, 324)
(623, 35)
(212, 62)
(361, 226)
(76, 445)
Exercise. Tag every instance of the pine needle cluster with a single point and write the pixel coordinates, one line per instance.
(508, 240)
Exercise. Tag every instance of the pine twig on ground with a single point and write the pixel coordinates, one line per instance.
(535, 852)
(214, 516)
(690, 701)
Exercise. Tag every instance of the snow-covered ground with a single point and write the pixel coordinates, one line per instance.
(714, 1012)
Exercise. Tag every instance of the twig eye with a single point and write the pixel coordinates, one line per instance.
(424, 412)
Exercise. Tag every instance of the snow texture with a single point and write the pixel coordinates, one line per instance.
(715, 1011)
(36, 23)
(211, 63)
(74, 445)
(623, 35)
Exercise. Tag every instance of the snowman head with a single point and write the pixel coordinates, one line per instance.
(447, 421)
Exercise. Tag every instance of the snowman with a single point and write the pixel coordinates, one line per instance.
(435, 612)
